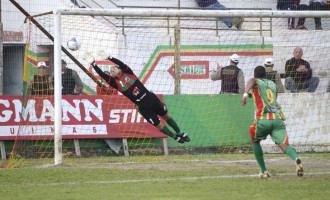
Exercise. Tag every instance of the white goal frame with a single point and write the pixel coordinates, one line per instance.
(139, 13)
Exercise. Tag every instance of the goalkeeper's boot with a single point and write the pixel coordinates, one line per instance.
(299, 167)
(179, 139)
(185, 137)
(264, 175)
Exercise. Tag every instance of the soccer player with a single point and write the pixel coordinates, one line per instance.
(148, 104)
(269, 120)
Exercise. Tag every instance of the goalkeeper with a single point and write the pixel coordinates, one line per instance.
(148, 104)
(269, 120)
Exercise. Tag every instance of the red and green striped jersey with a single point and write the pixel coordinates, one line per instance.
(264, 94)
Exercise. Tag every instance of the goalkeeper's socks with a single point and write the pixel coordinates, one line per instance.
(167, 131)
(291, 152)
(173, 124)
(257, 150)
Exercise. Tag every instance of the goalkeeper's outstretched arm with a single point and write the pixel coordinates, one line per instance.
(118, 62)
(100, 72)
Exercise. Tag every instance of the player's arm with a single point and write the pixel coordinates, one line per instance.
(120, 64)
(100, 72)
(106, 56)
(91, 60)
(251, 83)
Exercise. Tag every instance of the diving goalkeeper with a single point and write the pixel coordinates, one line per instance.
(148, 104)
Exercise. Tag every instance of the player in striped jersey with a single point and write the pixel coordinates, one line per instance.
(269, 119)
(148, 104)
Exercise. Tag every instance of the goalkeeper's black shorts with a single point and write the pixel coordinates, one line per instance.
(152, 107)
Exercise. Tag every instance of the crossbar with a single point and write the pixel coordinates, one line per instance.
(192, 13)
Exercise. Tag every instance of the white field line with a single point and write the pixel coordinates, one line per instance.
(165, 179)
(172, 161)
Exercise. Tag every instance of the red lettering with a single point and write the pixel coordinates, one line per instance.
(74, 130)
(52, 129)
(94, 129)
(12, 131)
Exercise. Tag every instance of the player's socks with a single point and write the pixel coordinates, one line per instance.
(173, 124)
(167, 131)
(291, 152)
(257, 150)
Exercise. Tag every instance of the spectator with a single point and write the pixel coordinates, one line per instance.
(230, 22)
(41, 83)
(293, 5)
(319, 5)
(273, 75)
(298, 74)
(112, 90)
(70, 79)
(232, 77)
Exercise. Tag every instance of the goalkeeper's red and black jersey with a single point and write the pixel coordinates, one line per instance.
(128, 84)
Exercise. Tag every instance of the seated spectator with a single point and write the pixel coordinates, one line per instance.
(273, 75)
(232, 77)
(70, 81)
(99, 89)
(298, 74)
(293, 5)
(230, 22)
(41, 83)
(319, 5)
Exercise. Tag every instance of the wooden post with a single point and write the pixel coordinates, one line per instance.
(165, 146)
(125, 146)
(3, 150)
(77, 147)
(177, 59)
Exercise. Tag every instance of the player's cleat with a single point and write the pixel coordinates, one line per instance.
(179, 139)
(185, 137)
(299, 167)
(264, 175)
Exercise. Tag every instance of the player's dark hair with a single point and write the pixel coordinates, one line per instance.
(260, 72)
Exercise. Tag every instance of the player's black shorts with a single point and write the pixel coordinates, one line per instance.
(152, 107)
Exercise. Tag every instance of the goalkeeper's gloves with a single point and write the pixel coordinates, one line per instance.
(88, 57)
(103, 55)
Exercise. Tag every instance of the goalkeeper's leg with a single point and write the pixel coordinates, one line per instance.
(171, 122)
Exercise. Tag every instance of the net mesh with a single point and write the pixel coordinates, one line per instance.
(216, 123)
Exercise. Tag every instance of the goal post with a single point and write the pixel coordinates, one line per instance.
(175, 59)
(148, 13)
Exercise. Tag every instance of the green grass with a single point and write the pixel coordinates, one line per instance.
(168, 177)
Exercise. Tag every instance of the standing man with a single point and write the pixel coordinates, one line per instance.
(70, 79)
(298, 74)
(41, 83)
(273, 75)
(269, 120)
(148, 104)
(293, 5)
(232, 77)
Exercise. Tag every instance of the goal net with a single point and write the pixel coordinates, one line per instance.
(174, 54)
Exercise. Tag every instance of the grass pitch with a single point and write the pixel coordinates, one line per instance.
(168, 177)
